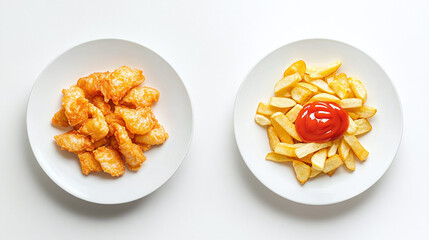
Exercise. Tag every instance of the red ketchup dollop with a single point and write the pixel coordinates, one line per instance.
(321, 122)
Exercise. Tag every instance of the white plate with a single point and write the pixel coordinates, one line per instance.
(382, 142)
(173, 110)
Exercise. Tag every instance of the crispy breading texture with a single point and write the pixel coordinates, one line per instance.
(74, 142)
(141, 97)
(137, 121)
(75, 105)
(110, 160)
(96, 127)
(90, 84)
(116, 84)
(156, 136)
(132, 153)
(88, 163)
(60, 119)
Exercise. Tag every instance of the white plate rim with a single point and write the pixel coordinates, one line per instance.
(48, 171)
(395, 91)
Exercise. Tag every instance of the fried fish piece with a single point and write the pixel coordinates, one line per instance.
(144, 147)
(99, 102)
(88, 163)
(101, 142)
(90, 84)
(141, 97)
(75, 105)
(60, 119)
(133, 154)
(117, 83)
(96, 127)
(74, 142)
(137, 121)
(156, 136)
(110, 160)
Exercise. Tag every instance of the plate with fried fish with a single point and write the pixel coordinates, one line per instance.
(109, 121)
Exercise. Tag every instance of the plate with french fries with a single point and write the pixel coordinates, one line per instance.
(318, 121)
(109, 121)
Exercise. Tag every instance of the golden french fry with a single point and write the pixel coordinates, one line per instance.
(285, 149)
(310, 148)
(357, 148)
(301, 94)
(364, 112)
(275, 157)
(363, 126)
(340, 89)
(282, 102)
(273, 139)
(314, 172)
(281, 131)
(326, 97)
(319, 158)
(334, 147)
(286, 83)
(308, 86)
(332, 163)
(330, 173)
(306, 159)
(351, 103)
(330, 78)
(353, 128)
(268, 110)
(322, 86)
(358, 88)
(296, 67)
(262, 120)
(286, 124)
(353, 115)
(343, 149)
(302, 171)
(350, 162)
(293, 113)
(326, 70)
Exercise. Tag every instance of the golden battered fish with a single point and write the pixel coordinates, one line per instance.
(137, 121)
(132, 153)
(96, 127)
(141, 97)
(90, 84)
(75, 105)
(119, 82)
(156, 136)
(88, 163)
(110, 160)
(99, 102)
(74, 142)
(60, 119)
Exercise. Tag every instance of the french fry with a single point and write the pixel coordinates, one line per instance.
(285, 149)
(293, 113)
(363, 126)
(314, 172)
(334, 147)
(309, 86)
(310, 148)
(330, 78)
(349, 162)
(326, 97)
(353, 128)
(353, 115)
(355, 145)
(262, 120)
(285, 83)
(296, 67)
(281, 131)
(325, 71)
(358, 88)
(364, 112)
(306, 159)
(343, 149)
(268, 110)
(330, 173)
(322, 86)
(275, 157)
(302, 171)
(284, 123)
(301, 94)
(351, 103)
(332, 163)
(273, 139)
(319, 158)
(282, 102)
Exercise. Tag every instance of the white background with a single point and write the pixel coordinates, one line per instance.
(213, 45)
